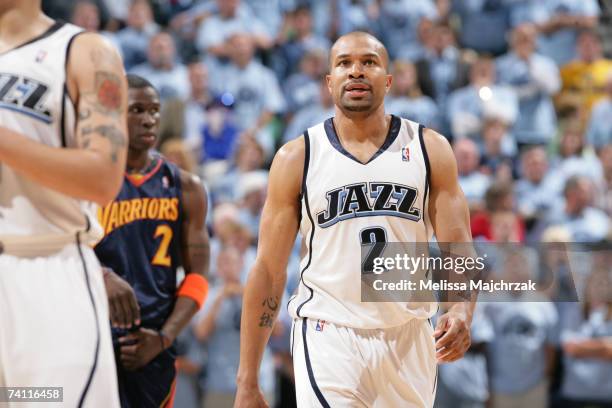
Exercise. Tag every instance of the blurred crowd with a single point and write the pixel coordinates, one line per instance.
(521, 88)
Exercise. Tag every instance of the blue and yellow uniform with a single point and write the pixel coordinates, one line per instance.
(141, 244)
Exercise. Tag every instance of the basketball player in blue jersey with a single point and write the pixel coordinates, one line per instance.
(358, 175)
(154, 225)
(63, 145)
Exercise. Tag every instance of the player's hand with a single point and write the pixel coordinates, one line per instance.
(122, 303)
(139, 348)
(452, 336)
(249, 397)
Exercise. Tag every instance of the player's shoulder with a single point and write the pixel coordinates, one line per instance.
(190, 181)
(88, 42)
(292, 150)
(440, 156)
(288, 165)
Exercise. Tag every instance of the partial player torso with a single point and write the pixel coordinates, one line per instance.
(35, 103)
(347, 203)
(142, 235)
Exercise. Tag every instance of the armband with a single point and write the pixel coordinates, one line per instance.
(195, 287)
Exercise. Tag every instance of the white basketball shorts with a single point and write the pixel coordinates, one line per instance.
(54, 328)
(337, 366)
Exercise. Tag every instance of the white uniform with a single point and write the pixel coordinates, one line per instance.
(54, 320)
(347, 352)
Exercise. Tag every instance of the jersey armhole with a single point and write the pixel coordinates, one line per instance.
(303, 195)
(66, 95)
(427, 170)
(306, 162)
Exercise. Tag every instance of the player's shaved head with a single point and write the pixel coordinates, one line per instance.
(359, 38)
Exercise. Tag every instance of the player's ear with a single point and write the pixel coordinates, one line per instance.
(328, 80)
(389, 82)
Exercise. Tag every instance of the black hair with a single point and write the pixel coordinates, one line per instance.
(138, 82)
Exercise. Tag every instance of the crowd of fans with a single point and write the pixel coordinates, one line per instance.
(521, 88)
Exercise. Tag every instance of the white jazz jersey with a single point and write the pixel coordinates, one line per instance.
(346, 203)
(34, 102)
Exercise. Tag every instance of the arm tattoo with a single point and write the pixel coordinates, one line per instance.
(108, 93)
(110, 132)
(267, 317)
(84, 114)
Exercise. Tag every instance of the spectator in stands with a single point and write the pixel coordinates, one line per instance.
(251, 197)
(249, 157)
(467, 106)
(535, 191)
(534, 78)
(584, 222)
(177, 152)
(498, 149)
(301, 89)
(218, 324)
(599, 133)
(441, 70)
(587, 360)
(200, 97)
(498, 222)
(604, 188)
(270, 13)
(311, 114)
(398, 21)
(135, 37)
(215, 33)
(483, 25)
(520, 355)
(473, 182)
(86, 15)
(406, 98)
(219, 135)
(558, 22)
(574, 158)
(584, 79)
(255, 90)
(162, 69)
(296, 40)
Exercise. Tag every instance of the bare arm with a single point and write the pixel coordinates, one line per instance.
(93, 169)
(449, 214)
(196, 251)
(590, 348)
(264, 289)
(561, 21)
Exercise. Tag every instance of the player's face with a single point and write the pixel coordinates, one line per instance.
(143, 117)
(358, 80)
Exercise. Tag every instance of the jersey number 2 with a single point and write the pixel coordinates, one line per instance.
(375, 238)
(161, 257)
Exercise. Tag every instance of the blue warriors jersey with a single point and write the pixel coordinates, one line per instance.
(142, 234)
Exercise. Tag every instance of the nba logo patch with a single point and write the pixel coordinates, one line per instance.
(319, 326)
(165, 182)
(41, 55)
(405, 154)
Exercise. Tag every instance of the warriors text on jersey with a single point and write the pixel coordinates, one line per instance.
(35, 103)
(142, 229)
(344, 204)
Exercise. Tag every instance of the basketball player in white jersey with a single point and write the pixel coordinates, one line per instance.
(62, 152)
(328, 183)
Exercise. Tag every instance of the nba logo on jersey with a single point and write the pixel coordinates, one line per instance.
(320, 324)
(41, 55)
(405, 153)
(165, 182)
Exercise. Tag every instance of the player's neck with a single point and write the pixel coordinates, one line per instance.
(20, 24)
(361, 128)
(139, 161)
